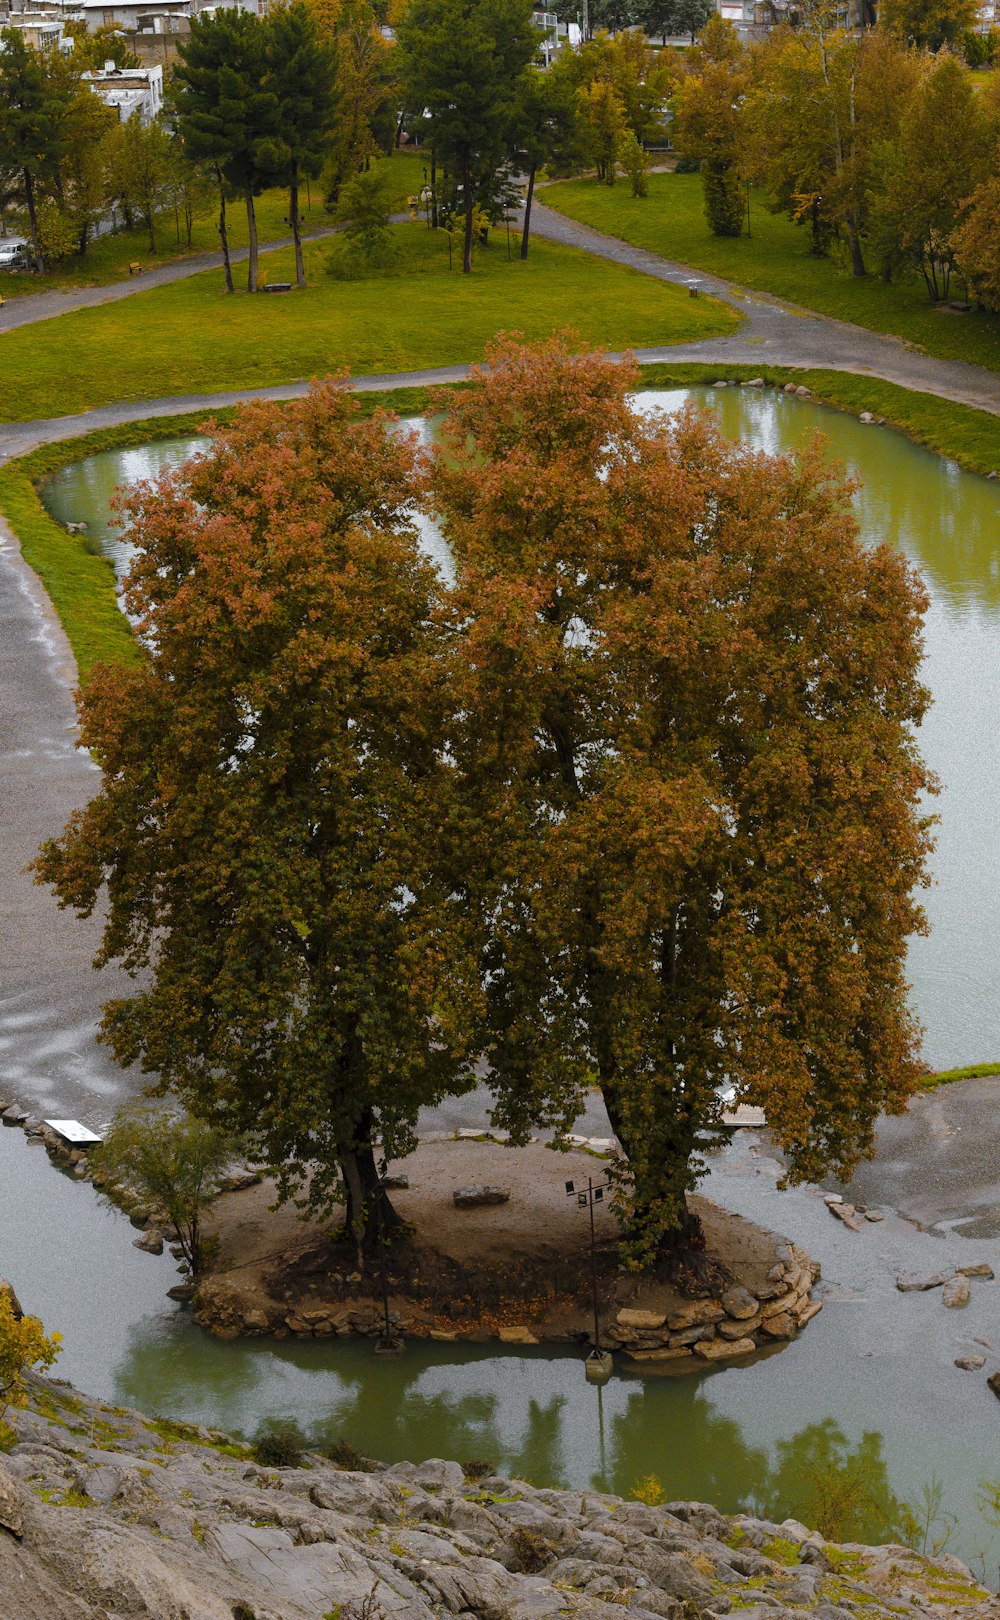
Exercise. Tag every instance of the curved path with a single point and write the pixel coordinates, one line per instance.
(773, 332)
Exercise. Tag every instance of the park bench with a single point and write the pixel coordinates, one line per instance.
(277, 286)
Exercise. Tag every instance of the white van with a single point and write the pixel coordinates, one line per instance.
(14, 252)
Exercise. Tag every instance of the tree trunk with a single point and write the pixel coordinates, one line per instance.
(293, 216)
(527, 212)
(224, 234)
(434, 192)
(29, 196)
(469, 205)
(252, 235)
(150, 226)
(886, 271)
(857, 258)
(370, 1216)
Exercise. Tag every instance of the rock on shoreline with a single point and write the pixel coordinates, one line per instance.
(104, 1512)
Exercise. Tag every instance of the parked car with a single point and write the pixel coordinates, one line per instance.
(15, 253)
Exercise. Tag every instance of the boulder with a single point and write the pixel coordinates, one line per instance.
(516, 1333)
(396, 1183)
(982, 1270)
(666, 1352)
(874, 1215)
(781, 1326)
(809, 1310)
(909, 1282)
(694, 1313)
(802, 391)
(994, 1383)
(740, 1329)
(15, 1303)
(644, 1321)
(847, 1214)
(181, 1292)
(739, 1303)
(11, 1517)
(970, 1363)
(692, 1335)
(956, 1293)
(723, 1349)
(480, 1196)
(755, 382)
(150, 1242)
(866, 416)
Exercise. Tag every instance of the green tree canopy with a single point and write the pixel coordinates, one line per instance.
(463, 63)
(684, 697)
(301, 68)
(272, 820)
(228, 112)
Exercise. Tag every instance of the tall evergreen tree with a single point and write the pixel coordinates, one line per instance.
(227, 114)
(35, 128)
(464, 62)
(300, 68)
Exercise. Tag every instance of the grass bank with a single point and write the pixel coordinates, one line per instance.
(947, 1077)
(191, 337)
(774, 258)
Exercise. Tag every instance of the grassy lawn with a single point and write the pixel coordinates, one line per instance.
(108, 258)
(670, 221)
(193, 337)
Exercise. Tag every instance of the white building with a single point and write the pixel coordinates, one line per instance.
(128, 90)
(42, 30)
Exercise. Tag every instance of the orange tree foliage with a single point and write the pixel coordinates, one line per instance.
(271, 797)
(684, 695)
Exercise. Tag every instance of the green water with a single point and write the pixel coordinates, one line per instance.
(867, 1399)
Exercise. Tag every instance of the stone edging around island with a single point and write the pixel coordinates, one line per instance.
(736, 1324)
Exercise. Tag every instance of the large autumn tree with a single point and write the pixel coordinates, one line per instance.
(684, 699)
(268, 829)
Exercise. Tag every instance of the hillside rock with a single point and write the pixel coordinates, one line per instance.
(171, 1522)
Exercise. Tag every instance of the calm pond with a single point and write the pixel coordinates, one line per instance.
(871, 1379)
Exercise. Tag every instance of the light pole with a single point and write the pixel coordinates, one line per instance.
(599, 1365)
(388, 1343)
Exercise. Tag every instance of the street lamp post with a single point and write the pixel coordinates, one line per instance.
(599, 1365)
(388, 1343)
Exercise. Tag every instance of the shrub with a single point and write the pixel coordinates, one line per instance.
(649, 1491)
(343, 1455)
(279, 1443)
(366, 204)
(723, 199)
(531, 1552)
(477, 1468)
(23, 1345)
(635, 163)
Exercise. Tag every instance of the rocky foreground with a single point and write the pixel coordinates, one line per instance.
(107, 1515)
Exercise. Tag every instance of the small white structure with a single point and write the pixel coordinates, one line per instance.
(128, 90)
(73, 1132)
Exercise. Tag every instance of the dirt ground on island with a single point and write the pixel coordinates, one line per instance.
(470, 1273)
